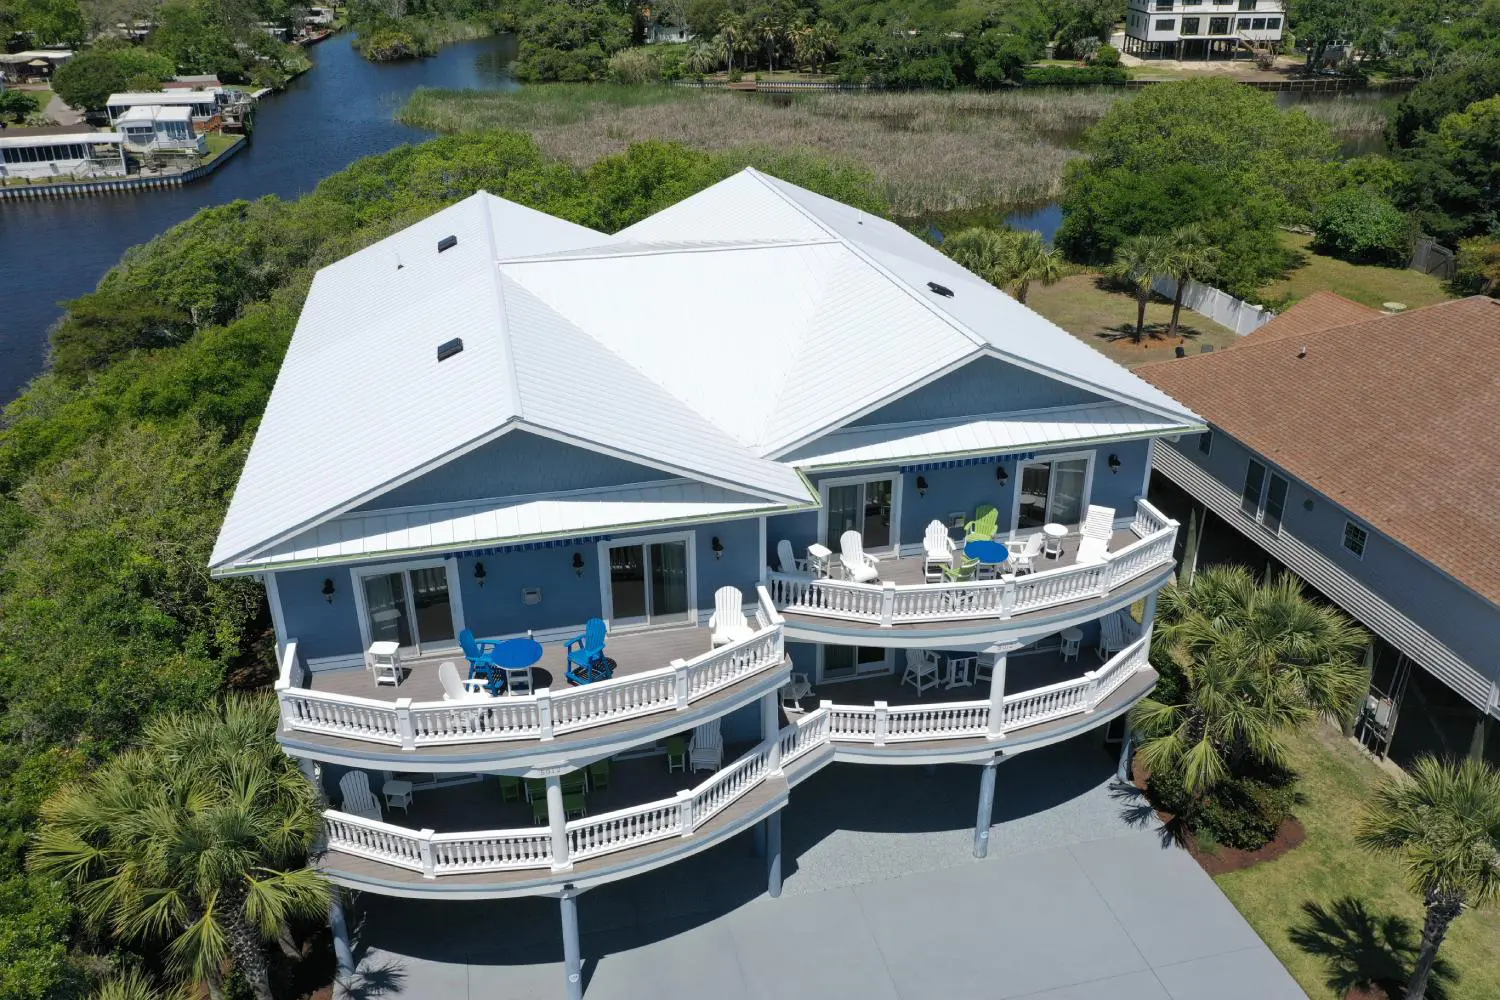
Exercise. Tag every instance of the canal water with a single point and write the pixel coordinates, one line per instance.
(326, 119)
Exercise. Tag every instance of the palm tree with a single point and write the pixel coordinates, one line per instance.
(701, 58)
(1256, 660)
(133, 984)
(825, 44)
(1034, 260)
(729, 39)
(1138, 261)
(1443, 822)
(1192, 256)
(200, 837)
(989, 253)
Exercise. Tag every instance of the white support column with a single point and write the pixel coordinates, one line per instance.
(572, 953)
(1122, 770)
(770, 728)
(997, 694)
(1148, 616)
(343, 951)
(986, 807)
(557, 821)
(773, 854)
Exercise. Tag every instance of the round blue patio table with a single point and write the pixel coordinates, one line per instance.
(990, 553)
(516, 654)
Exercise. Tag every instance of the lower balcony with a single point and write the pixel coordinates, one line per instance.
(649, 816)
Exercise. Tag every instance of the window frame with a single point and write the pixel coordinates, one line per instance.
(1206, 443)
(1364, 538)
(1251, 507)
(1196, 29)
(1165, 24)
(1272, 479)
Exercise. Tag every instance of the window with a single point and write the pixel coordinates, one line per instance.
(1258, 24)
(1272, 23)
(1247, 4)
(409, 605)
(865, 506)
(1190, 25)
(1206, 442)
(1270, 517)
(1244, 24)
(1052, 492)
(1218, 26)
(1255, 481)
(1163, 4)
(1167, 23)
(1355, 538)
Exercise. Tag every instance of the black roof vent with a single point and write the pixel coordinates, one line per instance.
(447, 243)
(942, 290)
(449, 348)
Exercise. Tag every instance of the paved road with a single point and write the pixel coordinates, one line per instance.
(1074, 903)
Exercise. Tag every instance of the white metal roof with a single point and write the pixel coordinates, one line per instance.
(155, 112)
(979, 435)
(744, 323)
(61, 139)
(163, 97)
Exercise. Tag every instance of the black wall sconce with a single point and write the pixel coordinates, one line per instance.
(479, 573)
(1307, 504)
(718, 548)
(1001, 476)
(921, 486)
(1114, 463)
(578, 564)
(328, 589)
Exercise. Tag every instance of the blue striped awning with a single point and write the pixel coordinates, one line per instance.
(1023, 456)
(550, 543)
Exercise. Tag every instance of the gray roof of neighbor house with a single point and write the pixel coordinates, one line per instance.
(706, 342)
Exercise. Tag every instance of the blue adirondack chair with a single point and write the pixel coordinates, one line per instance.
(477, 653)
(585, 651)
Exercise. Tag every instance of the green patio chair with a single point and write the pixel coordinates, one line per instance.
(575, 805)
(539, 810)
(676, 754)
(963, 572)
(573, 783)
(985, 524)
(599, 775)
(536, 788)
(510, 788)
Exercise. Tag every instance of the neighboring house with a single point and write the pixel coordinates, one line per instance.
(151, 128)
(33, 66)
(1200, 29)
(499, 421)
(1357, 449)
(205, 106)
(55, 153)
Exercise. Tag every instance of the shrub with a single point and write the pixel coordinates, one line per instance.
(18, 104)
(1243, 812)
(634, 66)
(1074, 76)
(1476, 270)
(87, 80)
(1358, 225)
(389, 45)
(1107, 56)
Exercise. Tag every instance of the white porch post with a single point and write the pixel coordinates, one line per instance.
(997, 692)
(770, 729)
(557, 821)
(1122, 770)
(773, 854)
(986, 807)
(572, 953)
(1148, 616)
(343, 952)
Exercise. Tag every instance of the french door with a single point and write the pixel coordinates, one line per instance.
(650, 582)
(848, 662)
(866, 507)
(1052, 492)
(410, 607)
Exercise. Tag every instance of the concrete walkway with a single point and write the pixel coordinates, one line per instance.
(1075, 902)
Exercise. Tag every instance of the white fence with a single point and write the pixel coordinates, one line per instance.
(540, 716)
(889, 604)
(1219, 306)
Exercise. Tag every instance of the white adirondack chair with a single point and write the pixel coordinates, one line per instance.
(1023, 559)
(787, 561)
(858, 566)
(1098, 523)
(794, 690)
(457, 689)
(706, 749)
(921, 670)
(358, 799)
(939, 548)
(728, 620)
(1111, 636)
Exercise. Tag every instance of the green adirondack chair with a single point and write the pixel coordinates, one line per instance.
(985, 524)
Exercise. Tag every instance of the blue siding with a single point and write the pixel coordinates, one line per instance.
(740, 566)
(567, 598)
(1119, 489)
(321, 628)
(1460, 618)
(515, 465)
(986, 385)
(952, 490)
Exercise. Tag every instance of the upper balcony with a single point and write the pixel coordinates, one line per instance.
(664, 680)
(901, 609)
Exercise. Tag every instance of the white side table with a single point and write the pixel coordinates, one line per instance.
(819, 561)
(1072, 638)
(397, 794)
(384, 659)
(1054, 534)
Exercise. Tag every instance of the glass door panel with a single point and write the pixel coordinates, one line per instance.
(845, 505)
(1034, 488)
(430, 601)
(385, 604)
(876, 528)
(848, 662)
(669, 582)
(1067, 491)
(627, 583)
(862, 507)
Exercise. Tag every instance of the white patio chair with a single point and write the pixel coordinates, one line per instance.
(358, 799)
(794, 690)
(1023, 559)
(706, 749)
(1098, 523)
(921, 670)
(1091, 550)
(939, 547)
(786, 560)
(858, 566)
(728, 620)
(1111, 636)
(456, 688)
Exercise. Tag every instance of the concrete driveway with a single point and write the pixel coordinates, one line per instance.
(882, 900)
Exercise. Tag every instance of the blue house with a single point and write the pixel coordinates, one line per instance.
(1355, 449)
(583, 550)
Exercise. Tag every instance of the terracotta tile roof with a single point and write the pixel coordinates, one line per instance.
(1395, 418)
(1319, 311)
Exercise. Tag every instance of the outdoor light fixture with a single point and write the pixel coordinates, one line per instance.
(1001, 475)
(922, 486)
(479, 573)
(718, 548)
(1114, 463)
(1307, 504)
(328, 589)
(578, 564)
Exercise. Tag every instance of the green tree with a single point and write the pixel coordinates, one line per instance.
(201, 837)
(1321, 23)
(1191, 256)
(133, 984)
(35, 925)
(18, 104)
(1443, 822)
(87, 80)
(1441, 95)
(989, 253)
(1358, 225)
(1034, 260)
(1138, 262)
(1453, 175)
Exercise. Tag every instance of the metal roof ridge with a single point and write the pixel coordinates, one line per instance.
(934, 422)
(524, 498)
(502, 335)
(664, 248)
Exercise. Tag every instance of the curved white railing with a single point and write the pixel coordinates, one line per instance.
(891, 604)
(438, 854)
(540, 716)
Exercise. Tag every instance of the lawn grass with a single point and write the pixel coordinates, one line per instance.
(1104, 319)
(218, 143)
(1373, 286)
(1337, 782)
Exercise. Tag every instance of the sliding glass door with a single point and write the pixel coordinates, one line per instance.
(865, 507)
(1052, 492)
(409, 607)
(650, 582)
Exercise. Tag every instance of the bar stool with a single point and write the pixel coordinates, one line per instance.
(1072, 638)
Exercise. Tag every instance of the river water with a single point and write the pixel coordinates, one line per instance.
(326, 119)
